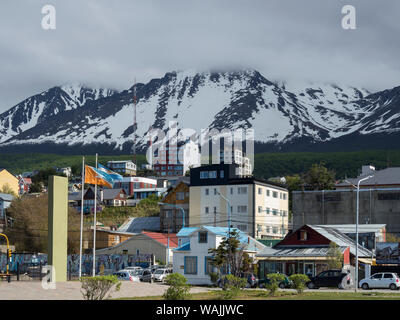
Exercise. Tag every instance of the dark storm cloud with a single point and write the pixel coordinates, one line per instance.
(110, 43)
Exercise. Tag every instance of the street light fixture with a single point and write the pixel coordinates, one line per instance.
(358, 209)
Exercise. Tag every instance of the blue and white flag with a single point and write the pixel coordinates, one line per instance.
(111, 174)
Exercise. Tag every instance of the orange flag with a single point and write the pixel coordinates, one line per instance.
(91, 176)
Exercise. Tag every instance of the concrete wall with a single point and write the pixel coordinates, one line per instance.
(339, 207)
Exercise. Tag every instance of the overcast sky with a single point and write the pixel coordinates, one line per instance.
(109, 43)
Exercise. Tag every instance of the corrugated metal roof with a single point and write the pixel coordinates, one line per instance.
(351, 228)
(6, 196)
(138, 224)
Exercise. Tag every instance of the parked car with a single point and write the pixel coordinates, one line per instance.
(286, 283)
(127, 275)
(134, 268)
(381, 280)
(330, 278)
(145, 275)
(160, 274)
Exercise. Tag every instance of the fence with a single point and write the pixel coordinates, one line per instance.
(28, 266)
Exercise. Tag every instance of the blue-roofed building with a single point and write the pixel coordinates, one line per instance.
(191, 257)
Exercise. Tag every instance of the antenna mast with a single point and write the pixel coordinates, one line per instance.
(134, 123)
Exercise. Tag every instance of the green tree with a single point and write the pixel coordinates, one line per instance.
(299, 282)
(390, 237)
(97, 288)
(319, 177)
(232, 286)
(7, 189)
(230, 254)
(273, 283)
(335, 256)
(178, 287)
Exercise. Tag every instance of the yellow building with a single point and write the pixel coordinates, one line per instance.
(7, 179)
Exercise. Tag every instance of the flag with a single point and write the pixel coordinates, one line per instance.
(116, 177)
(95, 176)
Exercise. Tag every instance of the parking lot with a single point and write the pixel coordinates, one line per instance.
(32, 290)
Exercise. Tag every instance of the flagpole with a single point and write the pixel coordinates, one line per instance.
(94, 229)
(80, 241)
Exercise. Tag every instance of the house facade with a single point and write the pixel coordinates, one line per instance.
(192, 258)
(148, 243)
(132, 184)
(257, 207)
(306, 251)
(7, 179)
(171, 217)
(123, 167)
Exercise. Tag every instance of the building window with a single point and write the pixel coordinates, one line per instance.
(202, 237)
(180, 196)
(267, 193)
(215, 209)
(259, 209)
(231, 190)
(284, 196)
(207, 192)
(209, 265)
(212, 174)
(274, 229)
(259, 227)
(303, 235)
(204, 175)
(259, 191)
(190, 265)
(242, 227)
(242, 190)
(268, 211)
(275, 212)
(242, 209)
(215, 191)
(221, 173)
(274, 194)
(206, 210)
(268, 229)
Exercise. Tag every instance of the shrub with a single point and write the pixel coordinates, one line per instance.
(178, 287)
(214, 278)
(274, 280)
(96, 288)
(299, 281)
(232, 286)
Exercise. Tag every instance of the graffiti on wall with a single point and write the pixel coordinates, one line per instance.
(110, 262)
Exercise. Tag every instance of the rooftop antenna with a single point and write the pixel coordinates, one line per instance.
(134, 123)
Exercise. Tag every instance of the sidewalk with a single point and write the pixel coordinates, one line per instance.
(32, 290)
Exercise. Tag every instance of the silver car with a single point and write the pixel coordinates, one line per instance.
(383, 280)
(127, 275)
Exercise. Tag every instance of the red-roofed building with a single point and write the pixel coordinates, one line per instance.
(24, 185)
(160, 245)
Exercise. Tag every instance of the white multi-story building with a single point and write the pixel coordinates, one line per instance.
(123, 167)
(257, 207)
(238, 157)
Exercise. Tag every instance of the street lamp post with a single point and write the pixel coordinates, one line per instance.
(229, 226)
(357, 214)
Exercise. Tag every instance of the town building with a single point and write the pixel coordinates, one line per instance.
(322, 207)
(123, 167)
(306, 251)
(171, 160)
(8, 180)
(385, 178)
(257, 207)
(192, 259)
(24, 185)
(237, 156)
(132, 184)
(5, 202)
(160, 245)
(171, 215)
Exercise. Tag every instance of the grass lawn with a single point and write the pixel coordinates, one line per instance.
(289, 295)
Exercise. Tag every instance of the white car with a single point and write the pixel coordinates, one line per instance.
(160, 274)
(127, 275)
(134, 268)
(383, 280)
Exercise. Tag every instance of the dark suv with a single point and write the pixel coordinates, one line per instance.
(329, 278)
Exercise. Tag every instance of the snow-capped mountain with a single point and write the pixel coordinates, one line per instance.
(39, 108)
(281, 115)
